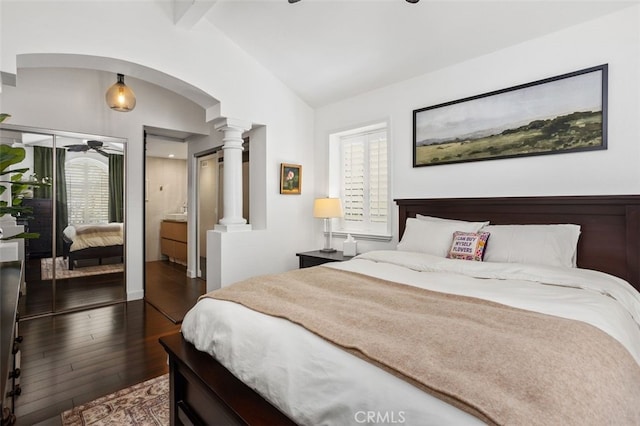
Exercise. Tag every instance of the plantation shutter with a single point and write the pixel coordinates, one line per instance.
(378, 178)
(364, 179)
(87, 191)
(353, 178)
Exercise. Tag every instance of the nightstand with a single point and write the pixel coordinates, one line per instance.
(316, 257)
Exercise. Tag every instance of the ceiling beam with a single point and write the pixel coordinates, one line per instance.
(187, 13)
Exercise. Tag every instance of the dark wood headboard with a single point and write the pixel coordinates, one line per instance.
(610, 224)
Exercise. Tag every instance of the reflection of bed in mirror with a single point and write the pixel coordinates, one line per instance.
(92, 241)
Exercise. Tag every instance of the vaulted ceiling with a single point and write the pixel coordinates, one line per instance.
(328, 50)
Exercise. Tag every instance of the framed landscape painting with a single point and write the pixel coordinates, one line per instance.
(567, 113)
(290, 178)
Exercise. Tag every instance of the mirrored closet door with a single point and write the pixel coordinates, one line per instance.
(76, 208)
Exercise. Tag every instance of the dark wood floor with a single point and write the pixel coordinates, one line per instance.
(169, 289)
(69, 294)
(73, 358)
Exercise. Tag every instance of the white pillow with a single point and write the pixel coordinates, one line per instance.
(433, 237)
(454, 221)
(70, 232)
(552, 245)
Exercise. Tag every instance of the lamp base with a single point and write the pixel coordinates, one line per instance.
(328, 250)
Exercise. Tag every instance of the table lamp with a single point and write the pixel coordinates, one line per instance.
(327, 209)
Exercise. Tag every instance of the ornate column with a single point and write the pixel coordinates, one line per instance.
(232, 219)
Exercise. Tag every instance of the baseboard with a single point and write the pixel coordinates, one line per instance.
(135, 295)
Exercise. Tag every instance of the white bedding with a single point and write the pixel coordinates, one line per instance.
(316, 383)
(94, 235)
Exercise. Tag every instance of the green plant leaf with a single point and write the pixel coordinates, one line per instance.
(10, 155)
(26, 182)
(26, 169)
(14, 210)
(4, 116)
(25, 235)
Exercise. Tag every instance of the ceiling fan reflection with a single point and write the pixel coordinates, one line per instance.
(90, 145)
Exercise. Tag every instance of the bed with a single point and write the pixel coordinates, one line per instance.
(599, 296)
(92, 242)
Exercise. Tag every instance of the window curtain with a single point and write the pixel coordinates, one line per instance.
(116, 188)
(43, 167)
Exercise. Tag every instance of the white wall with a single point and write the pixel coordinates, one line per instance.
(612, 39)
(36, 101)
(166, 193)
(202, 57)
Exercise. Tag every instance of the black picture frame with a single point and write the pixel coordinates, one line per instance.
(561, 114)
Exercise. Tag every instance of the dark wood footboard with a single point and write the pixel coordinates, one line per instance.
(203, 392)
(95, 253)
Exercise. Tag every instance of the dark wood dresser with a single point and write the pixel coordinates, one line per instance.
(41, 222)
(11, 276)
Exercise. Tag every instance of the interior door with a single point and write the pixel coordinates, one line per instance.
(207, 204)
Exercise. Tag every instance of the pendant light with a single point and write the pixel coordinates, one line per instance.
(120, 97)
(408, 1)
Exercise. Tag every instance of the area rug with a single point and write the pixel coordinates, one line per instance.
(62, 269)
(146, 403)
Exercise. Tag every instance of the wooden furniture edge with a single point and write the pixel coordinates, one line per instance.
(209, 393)
(11, 278)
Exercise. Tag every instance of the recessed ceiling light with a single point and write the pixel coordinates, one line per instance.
(171, 155)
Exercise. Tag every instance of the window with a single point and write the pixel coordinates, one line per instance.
(359, 174)
(87, 190)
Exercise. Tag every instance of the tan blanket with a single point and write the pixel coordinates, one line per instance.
(501, 364)
(94, 235)
(98, 228)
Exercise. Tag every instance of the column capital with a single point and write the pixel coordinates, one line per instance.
(225, 123)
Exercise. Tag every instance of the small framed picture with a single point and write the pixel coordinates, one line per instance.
(290, 178)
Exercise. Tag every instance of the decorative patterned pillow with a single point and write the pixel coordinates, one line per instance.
(468, 245)
(433, 237)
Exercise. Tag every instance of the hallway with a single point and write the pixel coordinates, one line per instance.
(169, 290)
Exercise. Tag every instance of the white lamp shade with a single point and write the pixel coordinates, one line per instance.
(327, 207)
(119, 97)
